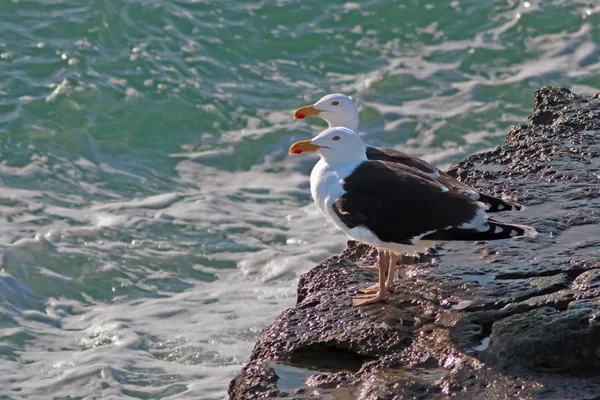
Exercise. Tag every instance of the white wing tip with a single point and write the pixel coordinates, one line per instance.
(528, 231)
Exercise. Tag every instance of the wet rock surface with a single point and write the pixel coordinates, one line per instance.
(486, 320)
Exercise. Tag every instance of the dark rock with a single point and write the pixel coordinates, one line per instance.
(548, 339)
(258, 382)
(510, 319)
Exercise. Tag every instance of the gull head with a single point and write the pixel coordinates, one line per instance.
(336, 109)
(334, 145)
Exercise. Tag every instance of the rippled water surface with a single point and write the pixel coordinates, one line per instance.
(152, 223)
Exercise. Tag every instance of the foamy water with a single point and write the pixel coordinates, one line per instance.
(152, 316)
(152, 222)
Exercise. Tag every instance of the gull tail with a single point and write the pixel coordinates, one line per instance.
(495, 204)
(496, 230)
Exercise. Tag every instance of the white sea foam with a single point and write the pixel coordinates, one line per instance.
(192, 341)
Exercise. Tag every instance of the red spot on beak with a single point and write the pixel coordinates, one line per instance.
(300, 116)
(297, 151)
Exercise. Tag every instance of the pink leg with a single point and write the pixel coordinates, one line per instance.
(393, 260)
(364, 299)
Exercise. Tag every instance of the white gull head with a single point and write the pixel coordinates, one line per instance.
(336, 109)
(335, 146)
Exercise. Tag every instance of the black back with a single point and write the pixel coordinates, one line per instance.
(398, 203)
(394, 156)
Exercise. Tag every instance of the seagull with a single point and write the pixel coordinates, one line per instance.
(339, 110)
(391, 206)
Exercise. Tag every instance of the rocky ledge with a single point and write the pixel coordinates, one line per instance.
(510, 319)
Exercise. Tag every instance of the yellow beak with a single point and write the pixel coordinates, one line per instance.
(303, 146)
(307, 111)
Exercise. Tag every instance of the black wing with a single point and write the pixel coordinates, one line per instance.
(398, 203)
(493, 204)
(395, 156)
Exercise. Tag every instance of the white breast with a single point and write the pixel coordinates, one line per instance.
(326, 186)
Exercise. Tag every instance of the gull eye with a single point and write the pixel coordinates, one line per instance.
(335, 103)
(335, 138)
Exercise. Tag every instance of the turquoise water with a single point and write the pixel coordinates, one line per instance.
(152, 223)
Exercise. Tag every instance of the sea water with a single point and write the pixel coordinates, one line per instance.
(152, 223)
